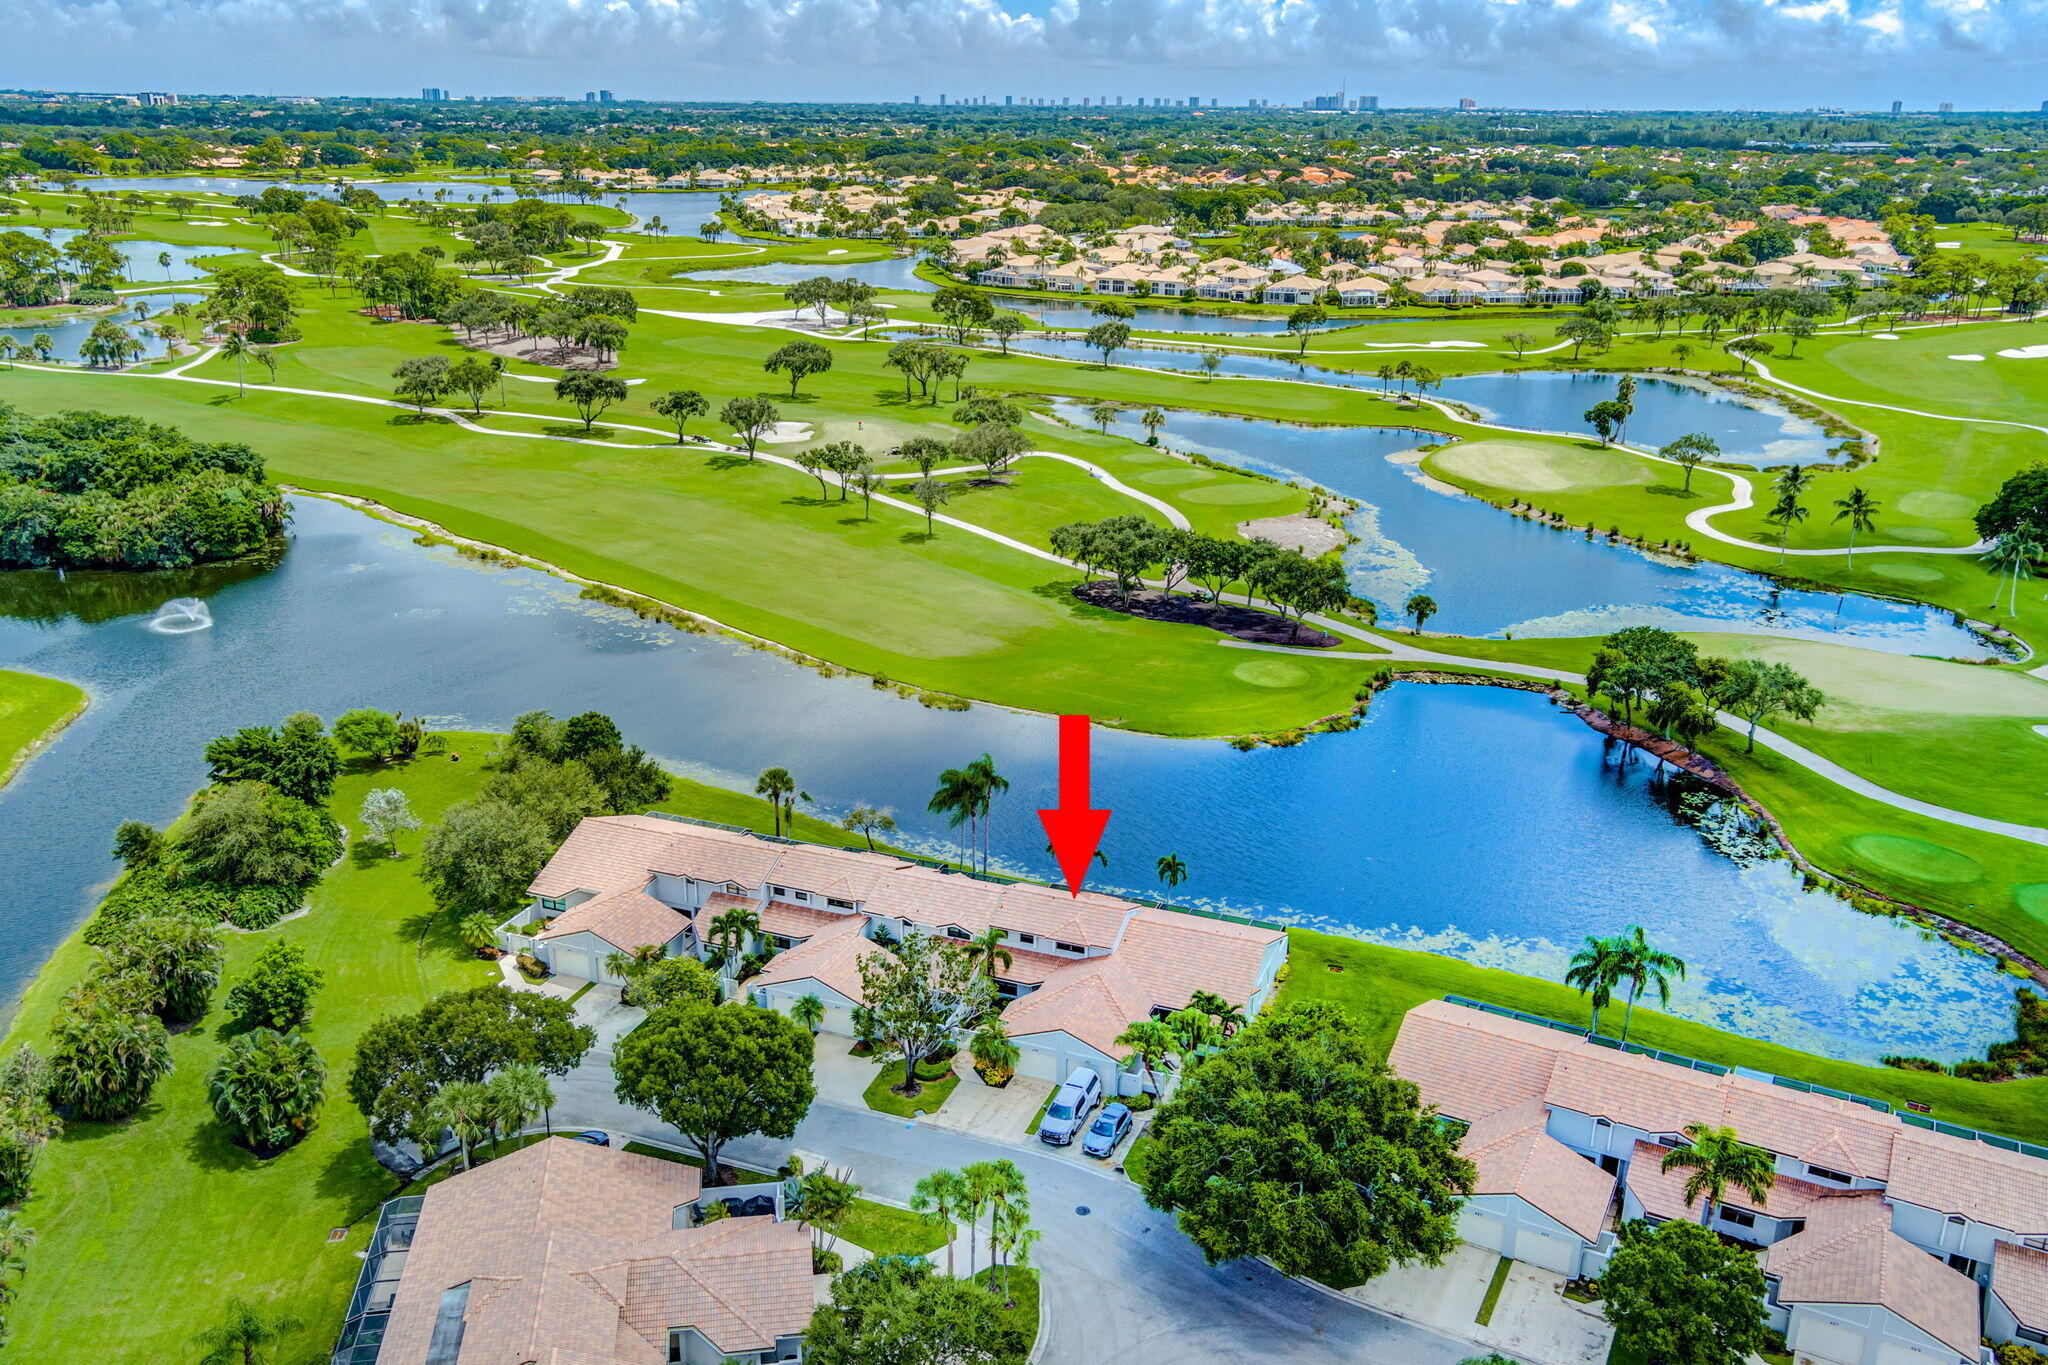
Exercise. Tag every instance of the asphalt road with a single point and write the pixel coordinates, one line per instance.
(1119, 1281)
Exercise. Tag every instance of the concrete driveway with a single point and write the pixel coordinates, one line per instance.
(1532, 1319)
(1120, 1281)
(993, 1114)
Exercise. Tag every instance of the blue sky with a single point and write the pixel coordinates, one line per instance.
(1723, 54)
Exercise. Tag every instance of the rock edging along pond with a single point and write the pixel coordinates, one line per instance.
(1474, 822)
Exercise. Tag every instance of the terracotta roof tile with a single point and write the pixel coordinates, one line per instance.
(1955, 1175)
(1513, 1155)
(1663, 1194)
(1849, 1254)
(832, 957)
(624, 919)
(2019, 1276)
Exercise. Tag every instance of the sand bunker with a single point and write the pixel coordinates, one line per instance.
(2025, 353)
(1967, 356)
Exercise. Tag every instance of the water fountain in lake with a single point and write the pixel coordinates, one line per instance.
(181, 616)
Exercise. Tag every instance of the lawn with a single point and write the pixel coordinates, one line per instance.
(1140, 1152)
(936, 1083)
(1378, 985)
(33, 709)
(164, 1208)
(889, 1231)
(1020, 1313)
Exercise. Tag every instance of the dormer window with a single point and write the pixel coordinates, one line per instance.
(734, 889)
(778, 891)
(1833, 1177)
(955, 931)
(1069, 947)
(1026, 940)
(838, 904)
(551, 903)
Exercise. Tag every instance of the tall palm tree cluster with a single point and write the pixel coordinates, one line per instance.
(1607, 965)
(983, 1190)
(965, 797)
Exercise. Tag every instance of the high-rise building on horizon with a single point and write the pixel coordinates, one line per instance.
(1369, 103)
(1468, 104)
(1947, 107)
(1898, 106)
(434, 94)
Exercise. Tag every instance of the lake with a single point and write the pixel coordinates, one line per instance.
(1495, 574)
(891, 272)
(70, 334)
(1748, 431)
(1477, 822)
(1077, 314)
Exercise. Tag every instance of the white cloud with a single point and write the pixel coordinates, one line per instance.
(1711, 53)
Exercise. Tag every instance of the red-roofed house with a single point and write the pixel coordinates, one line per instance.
(1082, 969)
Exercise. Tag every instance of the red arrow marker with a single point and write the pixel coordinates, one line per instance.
(1074, 829)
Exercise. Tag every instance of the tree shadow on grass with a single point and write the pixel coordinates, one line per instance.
(209, 1147)
(725, 460)
(1061, 591)
(1672, 490)
(417, 419)
(917, 537)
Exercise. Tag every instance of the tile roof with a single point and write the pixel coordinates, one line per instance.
(742, 1282)
(1663, 1194)
(1470, 1064)
(801, 921)
(2019, 1276)
(625, 919)
(1955, 1175)
(1513, 1155)
(512, 1230)
(1849, 1254)
(832, 957)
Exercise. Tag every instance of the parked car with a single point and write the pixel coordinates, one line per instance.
(1111, 1126)
(1070, 1107)
(596, 1137)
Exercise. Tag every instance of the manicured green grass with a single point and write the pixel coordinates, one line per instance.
(1137, 1156)
(1379, 985)
(1031, 1128)
(889, 1231)
(743, 1175)
(1020, 1312)
(164, 1209)
(935, 1084)
(1493, 1287)
(33, 709)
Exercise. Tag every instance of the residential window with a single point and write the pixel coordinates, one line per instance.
(1741, 1218)
(778, 891)
(1027, 940)
(551, 902)
(2029, 1334)
(2035, 1243)
(1823, 1173)
(838, 904)
(1069, 947)
(955, 931)
(1669, 1140)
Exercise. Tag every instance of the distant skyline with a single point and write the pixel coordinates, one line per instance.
(1573, 54)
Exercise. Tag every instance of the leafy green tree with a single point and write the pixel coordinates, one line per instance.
(590, 393)
(1690, 452)
(1108, 338)
(898, 1310)
(247, 1334)
(962, 310)
(2021, 504)
(403, 1061)
(1582, 331)
(799, 360)
(1748, 348)
(474, 377)
(1715, 1158)
(105, 1058)
(369, 732)
(483, 855)
(27, 1122)
(176, 956)
(267, 1088)
(279, 989)
(137, 843)
(248, 835)
(298, 758)
(717, 1072)
(868, 821)
(920, 995)
(1759, 690)
(1303, 322)
(562, 795)
(423, 380)
(672, 981)
(1003, 327)
(1355, 1178)
(386, 814)
(679, 406)
(931, 495)
(1678, 1295)
(750, 419)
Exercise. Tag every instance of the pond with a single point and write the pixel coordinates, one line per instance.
(891, 272)
(1496, 574)
(1076, 314)
(1477, 822)
(140, 257)
(71, 333)
(1748, 431)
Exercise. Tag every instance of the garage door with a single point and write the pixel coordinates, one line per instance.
(1817, 1336)
(1481, 1229)
(1540, 1249)
(1037, 1064)
(568, 962)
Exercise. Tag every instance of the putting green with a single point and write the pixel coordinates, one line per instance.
(1540, 468)
(1270, 672)
(1907, 573)
(1919, 535)
(1865, 680)
(2032, 898)
(1916, 860)
(1172, 476)
(1931, 503)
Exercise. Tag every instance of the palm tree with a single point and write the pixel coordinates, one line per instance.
(808, 1011)
(957, 799)
(163, 259)
(775, 784)
(733, 929)
(516, 1094)
(1102, 414)
(1717, 1159)
(15, 1241)
(479, 931)
(2013, 553)
(245, 1336)
(237, 346)
(1229, 1018)
(993, 1052)
(991, 1185)
(1172, 870)
(942, 1197)
(464, 1108)
(1193, 1031)
(1151, 1042)
(1421, 606)
(1861, 511)
(1643, 966)
(987, 950)
(1152, 419)
(625, 964)
(988, 784)
(1596, 970)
